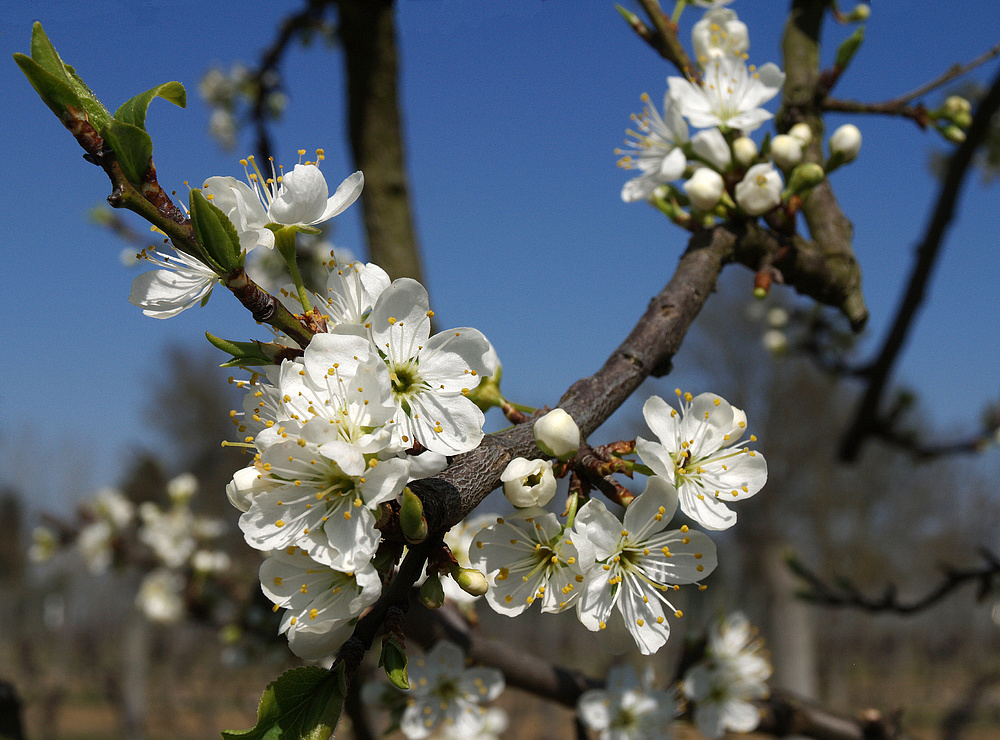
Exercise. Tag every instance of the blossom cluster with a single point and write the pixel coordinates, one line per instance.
(332, 430)
(720, 168)
(173, 543)
(445, 699)
(621, 571)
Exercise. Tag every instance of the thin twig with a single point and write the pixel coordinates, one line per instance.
(866, 416)
(845, 594)
(956, 70)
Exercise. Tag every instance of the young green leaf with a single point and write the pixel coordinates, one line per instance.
(133, 110)
(302, 704)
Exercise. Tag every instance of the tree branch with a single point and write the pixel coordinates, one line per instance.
(843, 593)
(866, 417)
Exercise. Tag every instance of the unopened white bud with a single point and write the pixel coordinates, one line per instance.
(712, 146)
(745, 150)
(802, 132)
(786, 151)
(528, 482)
(557, 434)
(846, 142)
(861, 13)
(472, 581)
(704, 188)
(760, 189)
(953, 133)
(955, 105)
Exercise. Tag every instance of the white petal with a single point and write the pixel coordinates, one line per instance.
(347, 192)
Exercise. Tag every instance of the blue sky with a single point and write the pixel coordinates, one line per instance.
(512, 112)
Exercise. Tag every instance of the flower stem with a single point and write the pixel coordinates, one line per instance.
(284, 242)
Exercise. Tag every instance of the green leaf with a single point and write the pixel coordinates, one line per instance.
(132, 146)
(43, 52)
(393, 659)
(215, 233)
(302, 704)
(133, 111)
(54, 91)
(245, 354)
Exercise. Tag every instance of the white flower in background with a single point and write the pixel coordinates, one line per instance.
(777, 317)
(168, 534)
(654, 149)
(710, 3)
(786, 151)
(319, 601)
(112, 506)
(210, 561)
(181, 488)
(730, 677)
(429, 375)
(527, 556)
(775, 341)
(43, 545)
(94, 545)
(730, 95)
(846, 142)
(802, 132)
(704, 188)
(745, 150)
(444, 692)
(528, 482)
(159, 596)
(760, 189)
(697, 453)
(636, 562)
(627, 709)
(557, 434)
(719, 33)
(181, 282)
(712, 147)
(495, 724)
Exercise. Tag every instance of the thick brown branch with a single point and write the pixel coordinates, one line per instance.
(867, 414)
(375, 128)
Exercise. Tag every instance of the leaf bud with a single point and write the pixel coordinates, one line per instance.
(432, 592)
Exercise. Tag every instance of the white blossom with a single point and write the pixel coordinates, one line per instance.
(159, 596)
(729, 96)
(698, 454)
(429, 375)
(181, 282)
(627, 709)
(529, 556)
(719, 33)
(760, 189)
(637, 562)
(654, 149)
(528, 482)
(319, 602)
(732, 674)
(444, 692)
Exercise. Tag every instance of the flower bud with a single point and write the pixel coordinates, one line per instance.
(786, 151)
(470, 580)
(846, 142)
(953, 133)
(411, 517)
(955, 105)
(807, 175)
(181, 488)
(704, 188)
(802, 132)
(528, 482)
(557, 434)
(393, 660)
(760, 189)
(745, 150)
(432, 592)
(861, 13)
